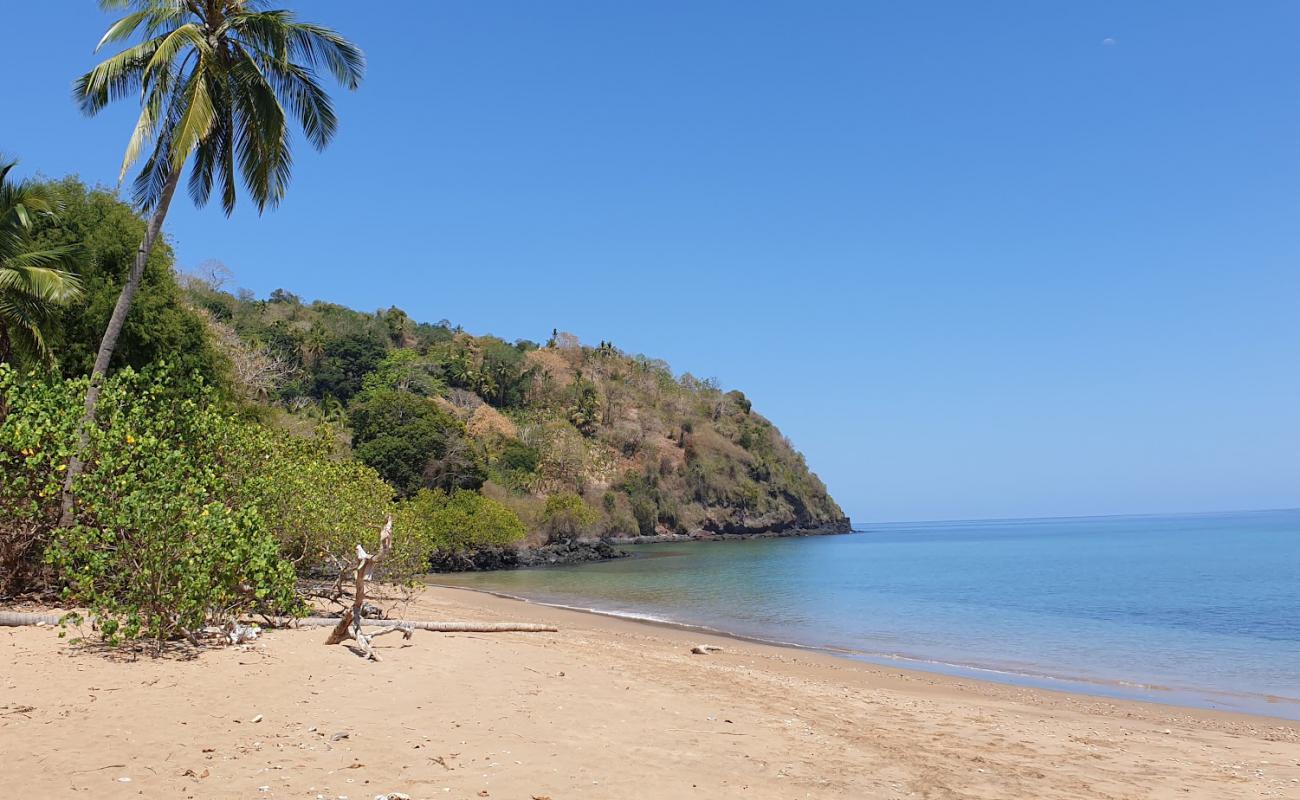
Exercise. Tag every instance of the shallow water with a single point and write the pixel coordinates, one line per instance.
(1200, 609)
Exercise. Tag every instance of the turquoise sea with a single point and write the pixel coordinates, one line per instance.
(1194, 609)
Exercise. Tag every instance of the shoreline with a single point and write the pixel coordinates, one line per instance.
(606, 707)
(1182, 698)
(574, 552)
(841, 527)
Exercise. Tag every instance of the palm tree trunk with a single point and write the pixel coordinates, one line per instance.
(109, 343)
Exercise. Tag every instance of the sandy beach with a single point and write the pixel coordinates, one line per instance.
(605, 708)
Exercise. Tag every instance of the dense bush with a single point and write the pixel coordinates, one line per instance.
(346, 360)
(318, 507)
(455, 523)
(190, 514)
(566, 516)
(162, 543)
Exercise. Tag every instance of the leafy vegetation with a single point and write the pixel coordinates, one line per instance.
(165, 542)
(566, 516)
(433, 407)
(190, 513)
(458, 522)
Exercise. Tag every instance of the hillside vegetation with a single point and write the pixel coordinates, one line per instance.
(242, 448)
(576, 440)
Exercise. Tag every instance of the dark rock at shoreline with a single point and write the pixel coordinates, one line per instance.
(584, 551)
(742, 530)
(577, 551)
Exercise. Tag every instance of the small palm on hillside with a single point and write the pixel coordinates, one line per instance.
(32, 281)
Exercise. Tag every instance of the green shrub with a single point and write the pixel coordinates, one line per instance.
(319, 508)
(566, 516)
(162, 544)
(645, 513)
(519, 457)
(188, 512)
(159, 566)
(517, 465)
(38, 420)
(456, 523)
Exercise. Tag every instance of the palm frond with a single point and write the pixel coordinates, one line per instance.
(22, 320)
(114, 78)
(265, 31)
(196, 120)
(155, 18)
(32, 284)
(52, 259)
(297, 89)
(262, 142)
(316, 44)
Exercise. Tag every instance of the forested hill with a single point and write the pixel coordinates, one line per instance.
(428, 405)
(577, 441)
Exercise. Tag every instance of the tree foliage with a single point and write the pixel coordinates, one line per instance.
(161, 326)
(413, 443)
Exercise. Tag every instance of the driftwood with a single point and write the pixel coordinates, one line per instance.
(443, 627)
(14, 619)
(349, 625)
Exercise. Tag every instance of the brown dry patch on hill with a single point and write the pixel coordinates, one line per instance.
(554, 364)
(487, 421)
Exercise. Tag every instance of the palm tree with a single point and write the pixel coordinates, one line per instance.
(31, 283)
(217, 81)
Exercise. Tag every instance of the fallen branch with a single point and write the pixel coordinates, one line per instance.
(441, 627)
(14, 619)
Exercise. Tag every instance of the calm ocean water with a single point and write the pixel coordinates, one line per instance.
(1198, 609)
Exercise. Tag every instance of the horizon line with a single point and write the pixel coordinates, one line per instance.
(853, 523)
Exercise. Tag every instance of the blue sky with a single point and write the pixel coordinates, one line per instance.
(976, 260)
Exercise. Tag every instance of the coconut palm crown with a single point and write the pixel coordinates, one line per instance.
(218, 80)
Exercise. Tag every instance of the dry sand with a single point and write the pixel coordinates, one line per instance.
(605, 708)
